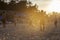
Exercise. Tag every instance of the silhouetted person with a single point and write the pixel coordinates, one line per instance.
(55, 23)
(3, 22)
(42, 15)
(4, 19)
(0, 17)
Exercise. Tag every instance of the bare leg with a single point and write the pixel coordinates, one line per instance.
(15, 23)
(4, 25)
(3, 22)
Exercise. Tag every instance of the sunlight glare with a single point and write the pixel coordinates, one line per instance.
(54, 6)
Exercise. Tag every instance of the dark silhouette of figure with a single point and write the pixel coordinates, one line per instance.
(42, 15)
(4, 19)
(55, 23)
(14, 19)
(0, 18)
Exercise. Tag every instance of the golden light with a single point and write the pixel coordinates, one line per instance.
(54, 6)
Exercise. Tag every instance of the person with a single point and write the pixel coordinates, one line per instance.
(0, 18)
(3, 22)
(55, 23)
(3, 19)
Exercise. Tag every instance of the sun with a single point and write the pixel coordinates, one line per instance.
(54, 6)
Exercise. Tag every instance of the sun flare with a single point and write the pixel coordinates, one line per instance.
(54, 6)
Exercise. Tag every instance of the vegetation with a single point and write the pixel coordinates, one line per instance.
(35, 16)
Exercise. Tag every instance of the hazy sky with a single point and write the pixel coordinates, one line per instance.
(47, 5)
(42, 4)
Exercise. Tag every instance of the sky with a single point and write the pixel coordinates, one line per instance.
(47, 5)
(42, 4)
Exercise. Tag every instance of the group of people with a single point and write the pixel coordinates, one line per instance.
(3, 18)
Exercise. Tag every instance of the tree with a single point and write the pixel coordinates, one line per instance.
(3, 6)
(21, 6)
(11, 5)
